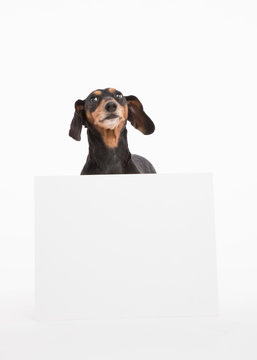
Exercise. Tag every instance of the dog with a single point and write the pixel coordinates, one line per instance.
(105, 113)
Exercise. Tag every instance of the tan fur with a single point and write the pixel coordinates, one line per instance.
(97, 92)
(111, 90)
(110, 134)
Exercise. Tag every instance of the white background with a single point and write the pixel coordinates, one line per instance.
(193, 66)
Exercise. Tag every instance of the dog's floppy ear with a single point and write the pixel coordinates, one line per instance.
(138, 117)
(78, 120)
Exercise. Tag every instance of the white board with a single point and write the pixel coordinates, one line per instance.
(125, 246)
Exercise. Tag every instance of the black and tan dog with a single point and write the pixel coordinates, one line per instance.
(105, 113)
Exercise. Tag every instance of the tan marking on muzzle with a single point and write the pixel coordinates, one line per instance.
(110, 136)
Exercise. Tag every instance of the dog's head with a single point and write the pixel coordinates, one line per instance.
(107, 111)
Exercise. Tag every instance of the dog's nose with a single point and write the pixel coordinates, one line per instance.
(110, 106)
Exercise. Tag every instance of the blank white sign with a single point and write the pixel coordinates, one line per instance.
(125, 246)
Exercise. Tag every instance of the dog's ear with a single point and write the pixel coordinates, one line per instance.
(138, 117)
(78, 120)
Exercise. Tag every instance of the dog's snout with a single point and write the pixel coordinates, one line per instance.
(110, 106)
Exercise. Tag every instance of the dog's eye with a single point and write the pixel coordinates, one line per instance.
(118, 95)
(93, 99)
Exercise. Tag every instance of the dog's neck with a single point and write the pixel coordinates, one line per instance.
(110, 160)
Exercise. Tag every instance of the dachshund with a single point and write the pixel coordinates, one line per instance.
(105, 113)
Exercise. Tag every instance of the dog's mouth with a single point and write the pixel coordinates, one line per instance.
(110, 117)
